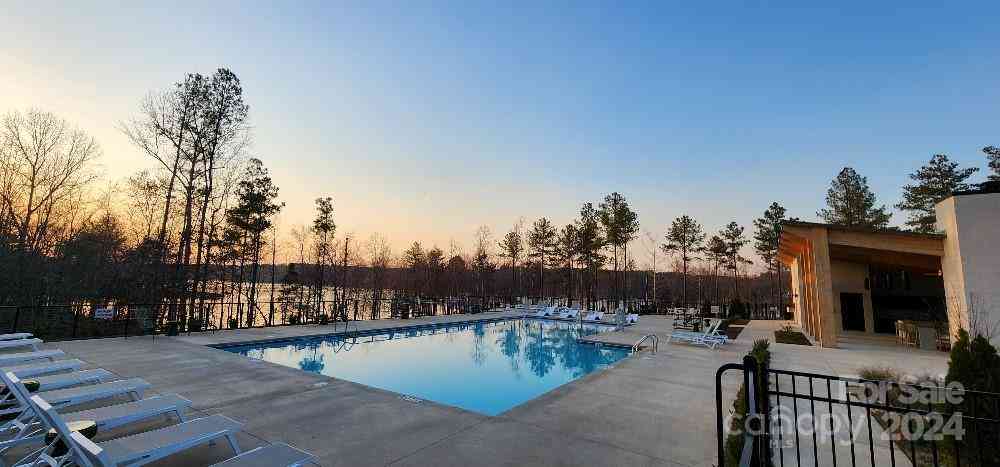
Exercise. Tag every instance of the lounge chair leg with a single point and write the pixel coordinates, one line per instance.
(180, 415)
(233, 444)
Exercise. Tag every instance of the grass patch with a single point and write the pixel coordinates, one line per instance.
(787, 335)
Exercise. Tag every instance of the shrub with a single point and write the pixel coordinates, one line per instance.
(738, 309)
(975, 364)
(878, 374)
(761, 352)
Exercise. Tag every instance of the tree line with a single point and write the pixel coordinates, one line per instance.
(199, 225)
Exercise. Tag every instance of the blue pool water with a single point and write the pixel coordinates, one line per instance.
(486, 367)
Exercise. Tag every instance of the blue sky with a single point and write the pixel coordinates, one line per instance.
(425, 120)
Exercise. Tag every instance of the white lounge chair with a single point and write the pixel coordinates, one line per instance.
(546, 312)
(66, 380)
(594, 316)
(15, 336)
(272, 455)
(25, 357)
(32, 370)
(569, 313)
(15, 343)
(28, 427)
(709, 338)
(134, 450)
(632, 318)
(62, 398)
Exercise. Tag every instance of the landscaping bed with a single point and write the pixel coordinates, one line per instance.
(790, 336)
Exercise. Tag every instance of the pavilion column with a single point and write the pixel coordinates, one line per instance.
(828, 319)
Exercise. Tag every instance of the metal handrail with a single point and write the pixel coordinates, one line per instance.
(656, 343)
(347, 327)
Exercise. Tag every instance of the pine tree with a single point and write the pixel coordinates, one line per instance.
(323, 230)
(566, 254)
(256, 205)
(732, 236)
(511, 247)
(716, 251)
(933, 182)
(589, 242)
(767, 233)
(416, 261)
(541, 248)
(993, 159)
(684, 237)
(851, 203)
(620, 224)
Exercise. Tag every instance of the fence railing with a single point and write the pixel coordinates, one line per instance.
(83, 321)
(810, 419)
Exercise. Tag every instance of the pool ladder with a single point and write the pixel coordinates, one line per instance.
(652, 337)
(347, 327)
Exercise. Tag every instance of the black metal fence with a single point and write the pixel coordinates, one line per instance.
(809, 419)
(83, 321)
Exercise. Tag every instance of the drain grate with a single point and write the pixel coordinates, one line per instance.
(412, 399)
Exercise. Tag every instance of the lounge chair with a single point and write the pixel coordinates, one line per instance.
(134, 450)
(15, 406)
(709, 338)
(569, 313)
(17, 358)
(15, 336)
(32, 370)
(594, 316)
(272, 455)
(66, 380)
(15, 343)
(28, 427)
(545, 312)
(632, 318)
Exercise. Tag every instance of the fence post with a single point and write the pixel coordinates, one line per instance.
(76, 318)
(765, 410)
(17, 315)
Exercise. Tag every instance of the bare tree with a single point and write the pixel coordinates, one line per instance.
(379, 259)
(45, 166)
(44, 163)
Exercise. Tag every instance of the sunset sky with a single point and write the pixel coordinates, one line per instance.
(424, 120)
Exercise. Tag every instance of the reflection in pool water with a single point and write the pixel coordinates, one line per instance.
(487, 367)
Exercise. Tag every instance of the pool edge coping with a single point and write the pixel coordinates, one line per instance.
(374, 331)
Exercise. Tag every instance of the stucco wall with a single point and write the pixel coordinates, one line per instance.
(971, 263)
(850, 278)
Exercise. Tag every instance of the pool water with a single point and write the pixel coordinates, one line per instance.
(485, 367)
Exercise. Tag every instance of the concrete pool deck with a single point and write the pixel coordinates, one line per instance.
(649, 409)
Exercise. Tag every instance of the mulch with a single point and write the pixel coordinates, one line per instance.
(791, 337)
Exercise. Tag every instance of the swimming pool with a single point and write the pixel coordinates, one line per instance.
(486, 366)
